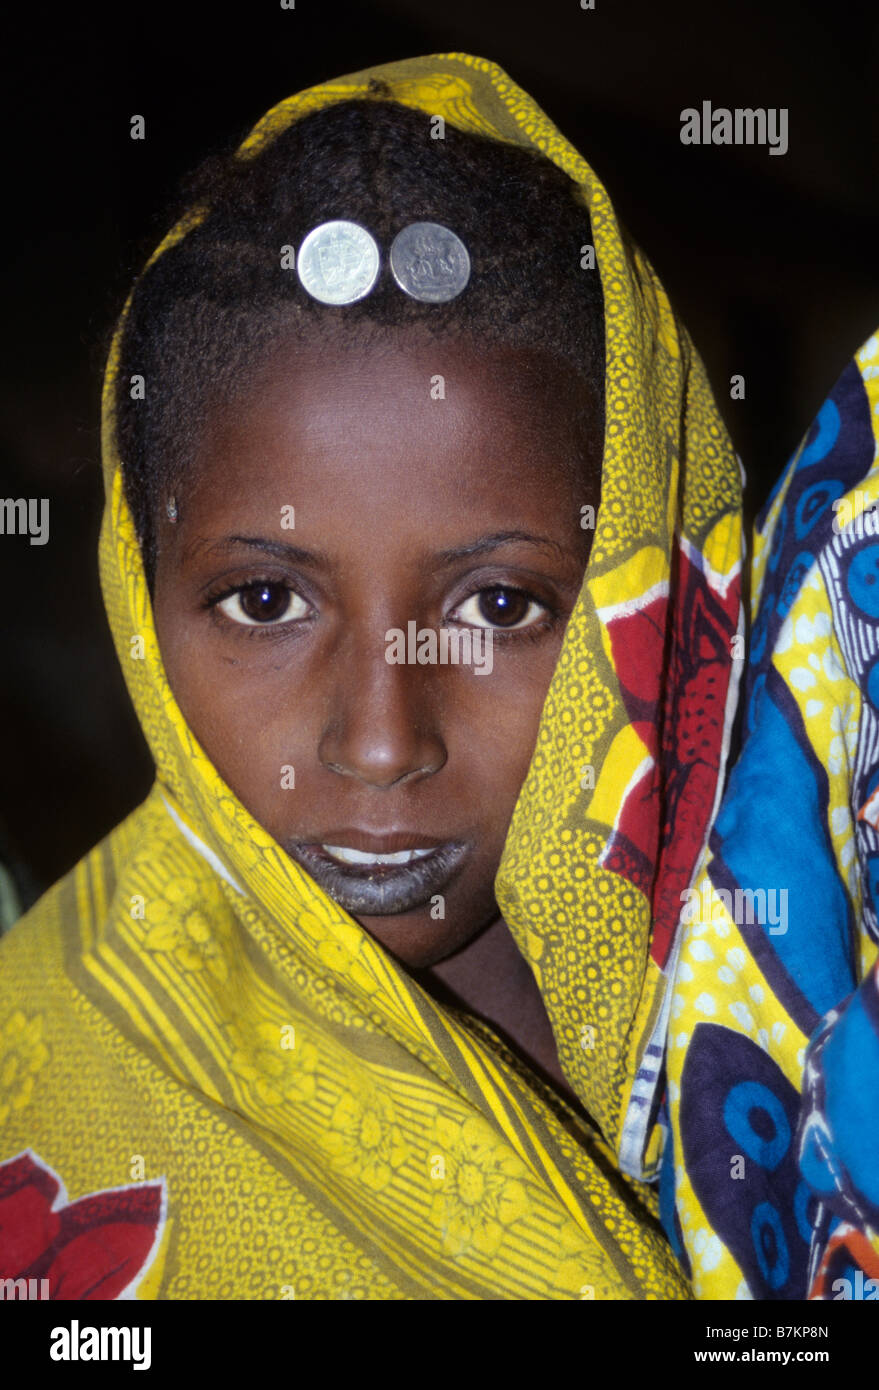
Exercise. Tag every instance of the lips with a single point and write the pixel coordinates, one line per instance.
(380, 875)
(359, 856)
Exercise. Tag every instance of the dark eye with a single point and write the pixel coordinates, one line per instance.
(262, 604)
(499, 607)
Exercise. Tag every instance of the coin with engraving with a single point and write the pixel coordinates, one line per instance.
(338, 262)
(429, 262)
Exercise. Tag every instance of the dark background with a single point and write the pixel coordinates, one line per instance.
(771, 262)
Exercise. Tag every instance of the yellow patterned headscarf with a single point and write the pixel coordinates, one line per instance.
(210, 1073)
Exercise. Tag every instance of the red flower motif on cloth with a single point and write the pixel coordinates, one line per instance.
(637, 641)
(680, 719)
(98, 1247)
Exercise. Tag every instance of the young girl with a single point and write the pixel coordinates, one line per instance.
(367, 1000)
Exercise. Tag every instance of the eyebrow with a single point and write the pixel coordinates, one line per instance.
(281, 550)
(319, 560)
(445, 558)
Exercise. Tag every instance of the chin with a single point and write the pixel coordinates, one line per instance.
(415, 939)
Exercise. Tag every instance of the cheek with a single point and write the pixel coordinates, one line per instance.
(249, 727)
(496, 730)
(219, 697)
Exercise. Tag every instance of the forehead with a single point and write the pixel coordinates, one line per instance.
(408, 410)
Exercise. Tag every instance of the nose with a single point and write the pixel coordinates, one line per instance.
(381, 725)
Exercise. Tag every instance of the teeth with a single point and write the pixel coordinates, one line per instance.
(357, 856)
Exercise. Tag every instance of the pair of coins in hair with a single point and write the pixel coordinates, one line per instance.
(339, 262)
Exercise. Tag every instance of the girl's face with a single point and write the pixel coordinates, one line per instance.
(432, 484)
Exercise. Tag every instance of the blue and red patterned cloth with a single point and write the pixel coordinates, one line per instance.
(770, 1178)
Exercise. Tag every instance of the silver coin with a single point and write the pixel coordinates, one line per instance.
(338, 262)
(429, 262)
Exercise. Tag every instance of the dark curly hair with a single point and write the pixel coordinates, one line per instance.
(210, 309)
